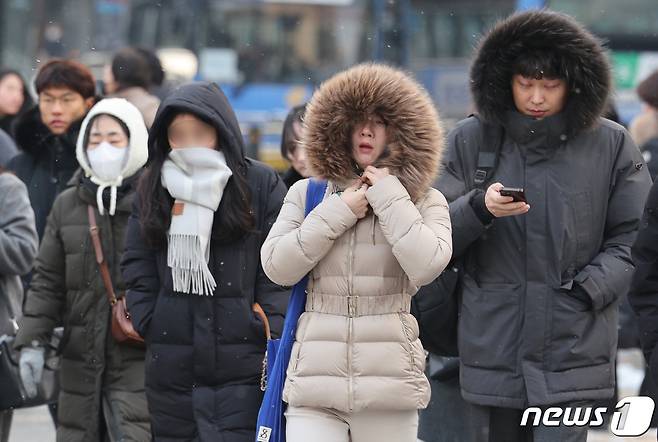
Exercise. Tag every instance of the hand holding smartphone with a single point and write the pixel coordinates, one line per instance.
(497, 201)
(517, 193)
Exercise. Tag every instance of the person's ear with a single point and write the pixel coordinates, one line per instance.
(89, 102)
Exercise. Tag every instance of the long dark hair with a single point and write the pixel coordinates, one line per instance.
(233, 218)
(288, 141)
(28, 102)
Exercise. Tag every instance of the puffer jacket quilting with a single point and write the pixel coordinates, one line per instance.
(357, 345)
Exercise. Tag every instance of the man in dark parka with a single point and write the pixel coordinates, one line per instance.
(541, 282)
(46, 134)
(205, 353)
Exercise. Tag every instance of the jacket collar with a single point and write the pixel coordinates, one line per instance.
(87, 191)
(32, 135)
(548, 132)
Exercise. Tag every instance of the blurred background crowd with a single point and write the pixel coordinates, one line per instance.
(269, 55)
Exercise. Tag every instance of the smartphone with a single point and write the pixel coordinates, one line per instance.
(515, 192)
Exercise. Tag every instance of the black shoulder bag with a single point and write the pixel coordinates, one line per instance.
(436, 305)
(12, 392)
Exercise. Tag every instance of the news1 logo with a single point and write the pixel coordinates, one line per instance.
(632, 416)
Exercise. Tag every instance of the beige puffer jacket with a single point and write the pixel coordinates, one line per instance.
(357, 345)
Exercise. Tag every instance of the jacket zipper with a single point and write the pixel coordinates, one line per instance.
(350, 319)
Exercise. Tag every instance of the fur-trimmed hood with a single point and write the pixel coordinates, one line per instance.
(32, 134)
(583, 60)
(414, 152)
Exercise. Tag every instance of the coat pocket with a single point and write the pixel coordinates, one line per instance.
(412, 345)
(489, 325)
(295, 354)
(580, 336)
(576, 225)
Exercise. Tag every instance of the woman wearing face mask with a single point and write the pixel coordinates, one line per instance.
(356, 372)
(193, 270)
(101, 381)
(14, 98)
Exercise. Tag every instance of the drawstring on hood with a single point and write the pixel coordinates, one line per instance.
(136, 152)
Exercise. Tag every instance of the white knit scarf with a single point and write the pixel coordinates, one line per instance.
(196, 177)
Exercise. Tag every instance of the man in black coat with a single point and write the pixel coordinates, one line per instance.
(47, 134)
(542, 277)
(204, 353)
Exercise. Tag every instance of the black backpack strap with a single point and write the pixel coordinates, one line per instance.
(491, 141)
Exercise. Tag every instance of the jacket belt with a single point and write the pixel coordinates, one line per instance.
(355, 305)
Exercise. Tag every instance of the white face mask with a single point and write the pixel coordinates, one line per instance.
(107, 161)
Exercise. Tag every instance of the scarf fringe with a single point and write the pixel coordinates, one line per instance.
(189, 268)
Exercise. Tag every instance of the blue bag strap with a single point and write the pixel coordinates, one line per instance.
(314, 194)
(271, 422)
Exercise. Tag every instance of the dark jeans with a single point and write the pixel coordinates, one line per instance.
(503, 425)
(5, 424)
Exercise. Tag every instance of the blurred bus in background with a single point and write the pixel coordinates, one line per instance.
(269, 55)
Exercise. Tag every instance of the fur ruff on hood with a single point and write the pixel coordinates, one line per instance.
(414, 152)
(583, 59)
(32, 135)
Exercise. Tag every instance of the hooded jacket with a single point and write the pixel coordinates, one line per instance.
(137, 154)
(67, 288)
(357, 346)
(46, 162)
(538, 321)
(205, 353)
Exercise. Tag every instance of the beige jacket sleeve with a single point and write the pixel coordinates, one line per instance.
(421, 237)
(296, 244)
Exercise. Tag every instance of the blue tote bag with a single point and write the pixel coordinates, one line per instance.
(271, 425)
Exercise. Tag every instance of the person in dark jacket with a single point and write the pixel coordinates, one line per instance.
(158, 85)
(15, 98)
(129, 76)
(542, 278)
(101, 381)
(193, 272)
(644, 127)
(292, 149)
(18, 248)
(643, 296)
(47, 133)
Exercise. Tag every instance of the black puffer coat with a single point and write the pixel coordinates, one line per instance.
(45, 163)
(538, 320)
(205, 353)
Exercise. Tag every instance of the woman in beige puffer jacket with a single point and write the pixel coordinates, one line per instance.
(380, 233)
